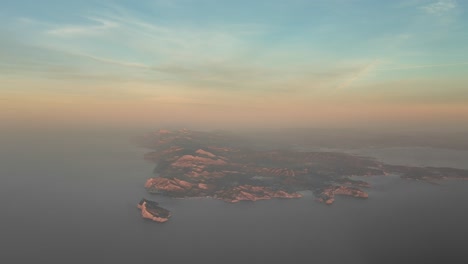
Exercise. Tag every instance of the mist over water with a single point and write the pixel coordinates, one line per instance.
(70, 197)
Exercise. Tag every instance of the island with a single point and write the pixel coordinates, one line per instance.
(223, 166)
(151, 210)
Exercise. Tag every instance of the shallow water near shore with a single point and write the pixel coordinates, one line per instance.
(75, 200)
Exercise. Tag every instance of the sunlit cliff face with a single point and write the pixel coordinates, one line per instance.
(299, 64)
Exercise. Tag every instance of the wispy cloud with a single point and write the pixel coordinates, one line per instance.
(100, 26)
(424, 66)
(223, 57)
(124, 34)
(361, 73)
(214, 57)
(114, 62)
(440, 7)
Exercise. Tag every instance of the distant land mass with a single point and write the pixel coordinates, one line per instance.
(224, 166)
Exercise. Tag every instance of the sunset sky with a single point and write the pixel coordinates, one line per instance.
(229, 63)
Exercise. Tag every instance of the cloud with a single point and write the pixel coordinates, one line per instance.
(124, 35)
(100, 26)
(440, 7)
(227, 58)
(424, 66)
(114, 62)
(361, 73)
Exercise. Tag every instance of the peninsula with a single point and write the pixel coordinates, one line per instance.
(222, 166)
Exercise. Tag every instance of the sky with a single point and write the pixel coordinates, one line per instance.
(296, 63)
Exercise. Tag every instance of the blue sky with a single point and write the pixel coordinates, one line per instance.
(210, 52)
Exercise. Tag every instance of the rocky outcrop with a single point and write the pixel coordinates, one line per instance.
(174, 186)
(355, 183)
(150, 210)
(327, 195)
(252, 193)
(205, 153)
(276, 172)
(190, 161)
(179, 188)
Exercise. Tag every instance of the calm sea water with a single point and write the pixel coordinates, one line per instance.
(71, 198)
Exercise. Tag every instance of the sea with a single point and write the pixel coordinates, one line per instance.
(71, 197)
